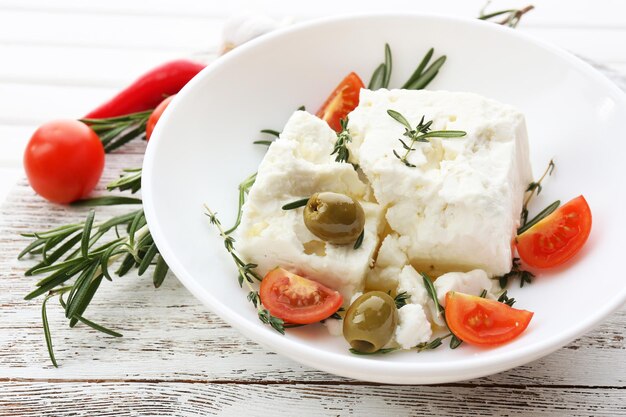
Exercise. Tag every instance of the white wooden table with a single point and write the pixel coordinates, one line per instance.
(59, 59)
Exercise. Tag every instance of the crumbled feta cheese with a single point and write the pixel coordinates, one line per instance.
(459, 206)
(297, 165)
(472, 283)
(334, 326)
(412, 283)
(413, 326)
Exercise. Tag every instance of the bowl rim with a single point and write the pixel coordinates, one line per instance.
(356, 366)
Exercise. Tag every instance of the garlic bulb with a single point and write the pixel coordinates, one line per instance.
(244, 27)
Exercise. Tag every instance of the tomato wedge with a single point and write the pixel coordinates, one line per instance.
(341, 101)
(558, 237)
(483, 322)
(297, 300)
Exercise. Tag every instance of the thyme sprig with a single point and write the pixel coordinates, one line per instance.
(421, 133)
(535, 188)
(400, 299)
(117, 131)
(511, 18)
(516, 271)
(341, 145)
(244, 188)
(246, 273)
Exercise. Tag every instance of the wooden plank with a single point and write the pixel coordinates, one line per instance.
(548, 12)
(167, 399)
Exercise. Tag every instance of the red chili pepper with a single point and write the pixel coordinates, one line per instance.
(149, 89)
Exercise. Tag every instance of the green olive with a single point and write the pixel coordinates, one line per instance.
(370, 322)
(335, 218)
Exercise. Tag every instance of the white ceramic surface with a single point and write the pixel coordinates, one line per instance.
(202, 148)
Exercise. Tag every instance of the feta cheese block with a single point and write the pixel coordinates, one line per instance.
(298, 164)
(413, 326)
(460, 205)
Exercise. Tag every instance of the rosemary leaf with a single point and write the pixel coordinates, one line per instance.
(263, 142)
(147, 259)
(106, 201)
(359, 240)
(388, 66)
(420, 68)
(160, 271)
(428, 75)
(378, 78)
(46, 330)
(296, 204)
(432, 292)
(271, 132)
(542, 215)
(91, 323)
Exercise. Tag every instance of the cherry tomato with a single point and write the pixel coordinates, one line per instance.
(341, 101)
(64, 160)
(557, 237)
(296, 299)
(156, 115)
(483, 322)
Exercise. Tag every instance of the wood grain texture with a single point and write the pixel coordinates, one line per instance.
(236, 399)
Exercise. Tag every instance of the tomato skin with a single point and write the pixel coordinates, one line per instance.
(558, 237)
(156, 115)
(483, 322)
(297, 300)
(64, 160)
(343, 99)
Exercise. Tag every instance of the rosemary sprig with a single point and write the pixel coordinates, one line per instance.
(421, 133)
(247, 274)
(80, 273)
(341, 145)
(515, 272)
(534, 188)
(244, 189)
(511, 18)
(117, 131)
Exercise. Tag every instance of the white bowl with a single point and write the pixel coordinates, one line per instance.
(202, 148)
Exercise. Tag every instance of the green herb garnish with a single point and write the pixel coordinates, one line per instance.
(341, 145)
(246, 273)
(421, 133)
